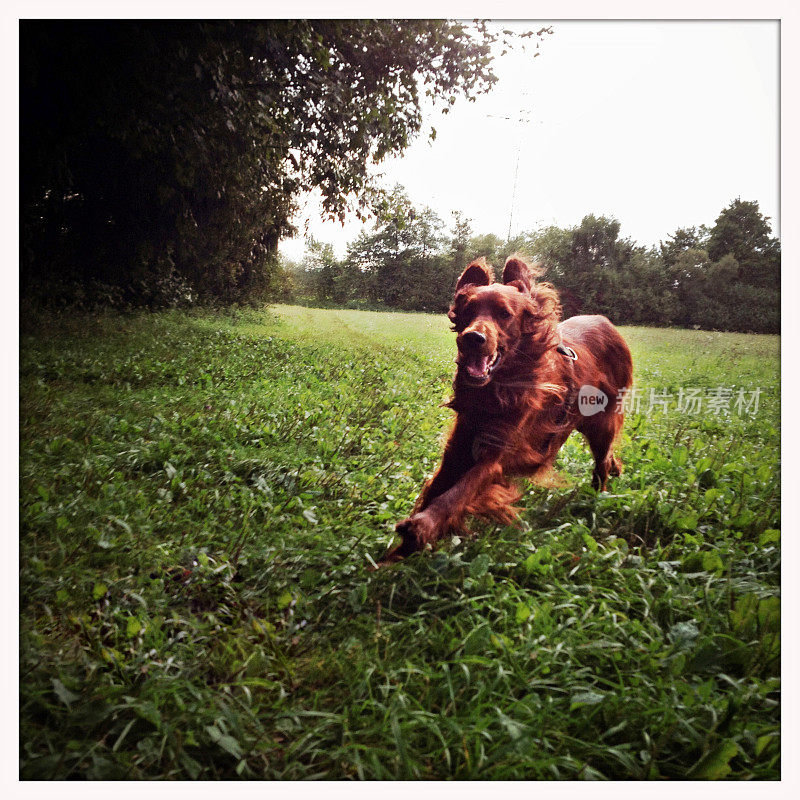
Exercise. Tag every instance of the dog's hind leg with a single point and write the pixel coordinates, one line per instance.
(601, 432)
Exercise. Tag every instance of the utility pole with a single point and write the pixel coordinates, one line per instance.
(514, 190)
(525, 119)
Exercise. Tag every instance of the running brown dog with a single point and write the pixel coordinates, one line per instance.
(524, 382)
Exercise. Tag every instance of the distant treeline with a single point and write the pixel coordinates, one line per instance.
(726, 277)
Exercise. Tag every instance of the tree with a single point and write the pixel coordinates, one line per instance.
(460, 235)
(380, 256)
(403, 261)
(487, 245)
(726, 277)
(582, 262)
(682, 240)
(742, 232)
(457, 255)
(149, 148)
(687, 273)
(323, 273)
(639, 291)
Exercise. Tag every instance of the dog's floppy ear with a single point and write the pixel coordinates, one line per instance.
(478, 273)
(544, 308)
(517, 273)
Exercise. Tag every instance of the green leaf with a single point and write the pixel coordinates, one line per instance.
(683, 634)
(703, 464)
(133, 627)
(762, 742)
(712, 494)
(744, 519)
(530, 563)
(686, 523)
(764, 472)
(99, 591)
(121, 737)
(64, 695)
(712, 562)
(192, 767)
(310, 578)
(535, 561)
(770, 536)
(124, 525)
(522, 613)
(285, 600)
(588, 698)
(149, 712)
(226, 742)
(110, 655)
(515, 729)
(479, 565)
(769, 614)
(716, 764)
(590, 542)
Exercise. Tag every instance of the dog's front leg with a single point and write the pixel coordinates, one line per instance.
(438, 513)
(457, 459)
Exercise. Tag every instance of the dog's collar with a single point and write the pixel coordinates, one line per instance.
(567, 351)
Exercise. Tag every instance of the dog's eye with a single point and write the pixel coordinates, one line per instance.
(504, 313)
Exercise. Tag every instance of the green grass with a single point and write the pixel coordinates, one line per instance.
(201, 498)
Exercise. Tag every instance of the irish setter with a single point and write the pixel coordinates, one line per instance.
(524, 382)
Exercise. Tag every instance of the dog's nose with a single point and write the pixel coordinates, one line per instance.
(474, 338)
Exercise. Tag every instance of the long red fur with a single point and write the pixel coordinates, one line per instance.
(513, 417)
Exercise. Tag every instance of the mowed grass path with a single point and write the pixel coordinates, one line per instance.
(201, 498)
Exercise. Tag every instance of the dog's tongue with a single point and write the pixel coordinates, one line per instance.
(477, 368)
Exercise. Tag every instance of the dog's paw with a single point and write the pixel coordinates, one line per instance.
(419, 529)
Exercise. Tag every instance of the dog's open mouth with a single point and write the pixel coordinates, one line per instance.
(477, 368)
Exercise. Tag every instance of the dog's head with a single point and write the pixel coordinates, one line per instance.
(499, 323)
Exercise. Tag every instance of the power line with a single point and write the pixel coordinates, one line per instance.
(523, 119)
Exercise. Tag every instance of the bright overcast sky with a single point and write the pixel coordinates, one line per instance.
(659, 124)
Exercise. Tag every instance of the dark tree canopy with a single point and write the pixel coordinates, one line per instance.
(175, 150)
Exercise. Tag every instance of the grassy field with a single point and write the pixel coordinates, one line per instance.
(202, 496)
